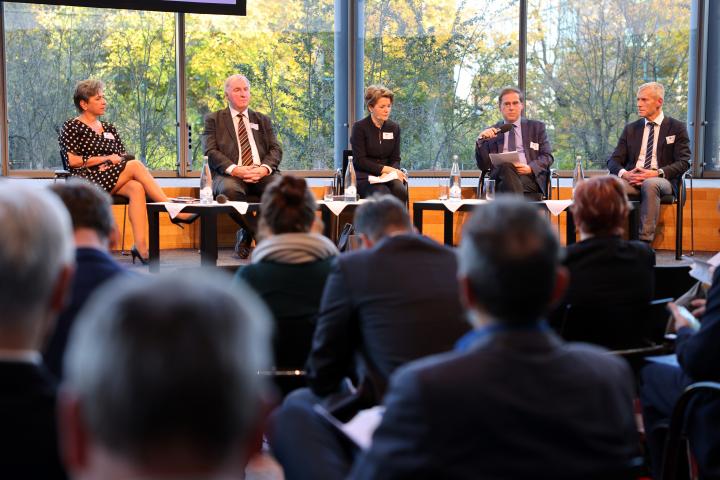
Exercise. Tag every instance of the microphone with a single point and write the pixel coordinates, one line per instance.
(127, 156)
(221, 199)
(506, 127)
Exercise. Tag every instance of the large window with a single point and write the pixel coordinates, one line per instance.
(50, 48)
(586, 59)
(285, 48)
(445, 61)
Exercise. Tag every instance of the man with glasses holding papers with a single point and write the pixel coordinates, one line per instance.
(529, 173)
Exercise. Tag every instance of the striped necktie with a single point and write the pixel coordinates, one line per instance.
(649, 147)
(245, 152)
(512, 146)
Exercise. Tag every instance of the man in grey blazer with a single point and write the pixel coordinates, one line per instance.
(243, 153)
(651, 155)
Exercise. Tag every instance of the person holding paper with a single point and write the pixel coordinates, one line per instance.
(243, 153)
(698, 358)
(375, 144)
(651, 155)
(528, 138)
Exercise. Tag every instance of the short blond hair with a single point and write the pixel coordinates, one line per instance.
(373, 93)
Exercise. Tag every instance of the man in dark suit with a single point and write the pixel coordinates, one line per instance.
(36, 263)
(94, 230)
(392, 302)
(528, 138)
(698, 359)
(243, 153)
(651, 155)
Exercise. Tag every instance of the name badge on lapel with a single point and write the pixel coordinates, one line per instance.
(670, 139)
(388, 135)
(534, 146)
(108, 135)
(254, 126)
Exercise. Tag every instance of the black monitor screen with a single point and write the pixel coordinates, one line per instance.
(222, 7)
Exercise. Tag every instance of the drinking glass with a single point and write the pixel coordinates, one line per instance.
(489, 189)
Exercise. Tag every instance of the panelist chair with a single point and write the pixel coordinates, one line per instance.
(345, 159)
(64, 174)
(703, 396)
(679, 202)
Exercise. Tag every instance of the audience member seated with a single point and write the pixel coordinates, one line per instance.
(394, 301)
(513, 401)
(698, 358)
(161, 380)
(605, 270)
(36, 263)
(94, 230)
(289, 267)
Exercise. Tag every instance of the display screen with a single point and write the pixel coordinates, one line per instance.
(221, 7)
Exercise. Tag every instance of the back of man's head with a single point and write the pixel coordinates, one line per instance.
(36, 250)
(89, 206)
(381, 216)
(163, 372)
(509, 258)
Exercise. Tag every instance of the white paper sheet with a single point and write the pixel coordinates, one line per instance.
(506, 157)
(384, 178)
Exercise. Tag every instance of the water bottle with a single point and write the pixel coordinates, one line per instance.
(338, 182)
(206, 193)
(578, 174)
(350, 182)
(455, 180)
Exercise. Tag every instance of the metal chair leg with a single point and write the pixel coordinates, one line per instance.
(122, 241)
(692, 220)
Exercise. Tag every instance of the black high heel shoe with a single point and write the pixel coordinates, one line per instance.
(135, 254)
(179, 221)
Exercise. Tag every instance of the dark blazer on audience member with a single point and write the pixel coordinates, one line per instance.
(221, 144)
(28, 428)
(609, 269)
(370, 151)
(520, 404)
(673, 158)
(93, 268)
(539, 158)
(292, 292)
(393, 303)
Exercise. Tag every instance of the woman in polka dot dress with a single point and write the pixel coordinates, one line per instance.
(93, 149)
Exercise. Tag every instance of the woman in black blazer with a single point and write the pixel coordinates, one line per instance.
(375, 144)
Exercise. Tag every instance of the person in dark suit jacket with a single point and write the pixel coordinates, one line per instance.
(288, 270)
(36, 264)
(528, 138)
(651, 170)
(698, 358)
(243, 153)
(94, 231)
(604, 268)
(392, 302)
(375, 144)
(513, 401)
